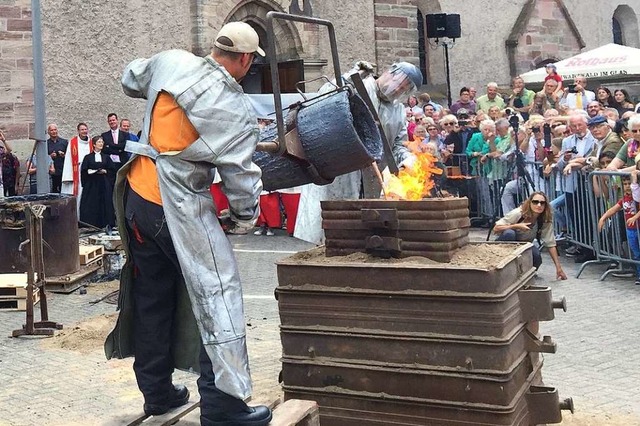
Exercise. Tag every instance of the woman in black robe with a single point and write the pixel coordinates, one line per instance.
(96, 204)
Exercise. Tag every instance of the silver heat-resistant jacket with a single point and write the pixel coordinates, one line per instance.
(219, 110)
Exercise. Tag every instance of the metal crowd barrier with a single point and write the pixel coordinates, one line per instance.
(578, 201)
(603, 190)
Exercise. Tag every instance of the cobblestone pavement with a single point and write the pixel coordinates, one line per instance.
(596, 362)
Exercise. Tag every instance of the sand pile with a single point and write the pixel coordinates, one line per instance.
(86, 336)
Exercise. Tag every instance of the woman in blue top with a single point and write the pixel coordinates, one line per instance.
(479, 144)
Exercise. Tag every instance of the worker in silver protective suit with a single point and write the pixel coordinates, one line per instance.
(180, 294)
(386, 92)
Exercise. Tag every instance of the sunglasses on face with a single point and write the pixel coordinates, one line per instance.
(447, 124)
(538, 202)
(431, 128)
(636, 131)
(536, 129)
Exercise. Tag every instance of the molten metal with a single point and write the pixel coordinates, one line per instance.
(416, 182)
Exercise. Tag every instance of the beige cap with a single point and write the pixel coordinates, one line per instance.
(238, 37)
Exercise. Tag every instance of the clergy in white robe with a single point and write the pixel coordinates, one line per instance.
(79, 146)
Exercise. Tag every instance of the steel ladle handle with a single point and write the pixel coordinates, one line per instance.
(275, 74)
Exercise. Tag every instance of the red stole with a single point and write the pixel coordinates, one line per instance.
(76, 163)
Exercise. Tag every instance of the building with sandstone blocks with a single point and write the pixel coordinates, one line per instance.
(87, 44)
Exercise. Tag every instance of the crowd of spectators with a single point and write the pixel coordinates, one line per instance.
(81, 162)
(481, 137)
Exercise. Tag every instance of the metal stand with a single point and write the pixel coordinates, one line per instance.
(447, 44)
(448, 71)
(35, 277)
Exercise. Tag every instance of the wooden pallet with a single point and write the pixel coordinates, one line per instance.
(90, 254)
(69, 283)
(19, 304)
(13, 286)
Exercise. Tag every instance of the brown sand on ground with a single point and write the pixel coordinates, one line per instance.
(474, 255)
(86, 336)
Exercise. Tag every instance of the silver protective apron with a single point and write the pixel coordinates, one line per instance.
(220, 112)
(347, 187)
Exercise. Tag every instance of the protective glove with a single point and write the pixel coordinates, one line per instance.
(365, 66)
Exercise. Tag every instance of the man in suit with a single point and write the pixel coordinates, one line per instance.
(114, 142)
(56, 147)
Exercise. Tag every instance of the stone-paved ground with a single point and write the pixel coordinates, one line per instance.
(596, 362)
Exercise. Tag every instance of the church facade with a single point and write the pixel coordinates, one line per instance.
(86, 45)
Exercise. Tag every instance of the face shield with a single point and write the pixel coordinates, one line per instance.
(399, 81)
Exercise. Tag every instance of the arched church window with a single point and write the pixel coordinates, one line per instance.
(617, 31)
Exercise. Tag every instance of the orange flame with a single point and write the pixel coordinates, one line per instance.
(414, 183)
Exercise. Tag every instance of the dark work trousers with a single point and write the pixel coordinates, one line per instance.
(155, 290)
(56, 184)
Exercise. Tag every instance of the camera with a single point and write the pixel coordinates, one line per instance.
(573, 150)
(572, 88)
(508, 111)
(463, 122)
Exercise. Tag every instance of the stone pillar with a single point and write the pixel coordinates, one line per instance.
(16, 75)
(396, 32)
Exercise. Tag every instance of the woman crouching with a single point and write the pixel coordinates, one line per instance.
(532, 220)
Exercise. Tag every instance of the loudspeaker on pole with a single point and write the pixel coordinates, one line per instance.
(436, 24)
(440, 25)
(453, 26)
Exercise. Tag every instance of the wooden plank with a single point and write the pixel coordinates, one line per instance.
(187, 415)
(13, 286)
(70, 283)
(90, 254)
(296, 412)
(13, 280)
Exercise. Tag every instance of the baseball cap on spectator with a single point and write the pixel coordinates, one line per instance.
(463, 112)
(238, 37)
(597, 120)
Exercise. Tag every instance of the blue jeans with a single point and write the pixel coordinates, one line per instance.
(510, 235)
(558, 214)
(634, 247)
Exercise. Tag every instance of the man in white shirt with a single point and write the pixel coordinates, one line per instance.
(580, 97)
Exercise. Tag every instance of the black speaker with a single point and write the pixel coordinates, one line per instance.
(453, 26)
(436, 25)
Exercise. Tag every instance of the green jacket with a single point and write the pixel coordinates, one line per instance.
(477, 144)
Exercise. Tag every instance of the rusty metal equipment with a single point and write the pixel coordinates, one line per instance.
(59, 233)
(324, 136)
(36, 276)
(432, 228)
(414, 343)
